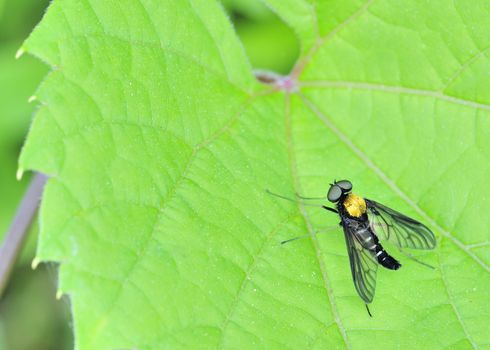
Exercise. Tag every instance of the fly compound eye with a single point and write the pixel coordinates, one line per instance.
(334, 193)
(345, 185)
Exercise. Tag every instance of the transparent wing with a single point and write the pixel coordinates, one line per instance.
(399, 229)
(362, 265)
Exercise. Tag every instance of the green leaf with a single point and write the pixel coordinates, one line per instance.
(160, 145)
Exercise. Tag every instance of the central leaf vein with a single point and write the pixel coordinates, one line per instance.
(297, 189)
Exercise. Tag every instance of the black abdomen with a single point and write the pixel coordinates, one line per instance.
(368, 240)
(385, 259)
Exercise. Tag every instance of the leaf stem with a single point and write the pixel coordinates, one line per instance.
(19, 228)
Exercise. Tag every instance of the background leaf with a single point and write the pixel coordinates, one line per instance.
(269, 42)
(160, 144)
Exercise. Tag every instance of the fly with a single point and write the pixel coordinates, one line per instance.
(366, 222)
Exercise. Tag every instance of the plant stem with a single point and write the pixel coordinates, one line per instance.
(19, 228)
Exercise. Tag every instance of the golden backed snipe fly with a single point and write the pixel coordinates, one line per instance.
(366, 222)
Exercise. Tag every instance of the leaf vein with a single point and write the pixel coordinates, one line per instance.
(246, 278)
(370, 164)
(463, 67)
(394, 89)
(451, 302)
(168, 198)
(297, 189)
(322, 40)
(104, 36)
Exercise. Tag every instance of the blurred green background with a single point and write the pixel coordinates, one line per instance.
(30, 315)
(269, 43)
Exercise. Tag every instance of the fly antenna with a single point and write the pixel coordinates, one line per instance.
(292, 199)
(369, 312)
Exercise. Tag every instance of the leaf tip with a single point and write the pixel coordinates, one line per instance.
(32, 99)
(19, 174)
(35, 263)
(59, 294)
(19, 53)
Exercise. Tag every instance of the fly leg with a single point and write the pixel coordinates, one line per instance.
(301, 201)
(317, 198)
(410, 256)
(310, 198)
(293, 200)
(328, 229)
(330, 209)
(369, 312)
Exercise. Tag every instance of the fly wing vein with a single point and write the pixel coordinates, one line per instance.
(399, 229)
(363, 266)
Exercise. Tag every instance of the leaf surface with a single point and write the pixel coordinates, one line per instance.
(160, 144)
